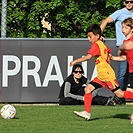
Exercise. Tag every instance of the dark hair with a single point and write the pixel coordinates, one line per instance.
(77, 66)
(95, 29)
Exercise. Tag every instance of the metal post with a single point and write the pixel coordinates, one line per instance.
(3, 18)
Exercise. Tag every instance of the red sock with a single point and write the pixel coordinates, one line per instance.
(87, 102)
(128, 95)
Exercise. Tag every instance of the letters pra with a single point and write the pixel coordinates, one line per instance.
(18, 65)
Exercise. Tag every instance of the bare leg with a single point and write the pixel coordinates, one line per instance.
(129, 89)
(87, 103)
(119, 93)
(124, 94)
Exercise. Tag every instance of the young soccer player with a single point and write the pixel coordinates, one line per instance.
(105, 74)
(126, 49)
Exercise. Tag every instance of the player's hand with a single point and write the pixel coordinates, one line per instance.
(72, 63)
(110, 56)
(101, 38)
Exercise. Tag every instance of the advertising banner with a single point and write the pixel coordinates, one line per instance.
(32, 70)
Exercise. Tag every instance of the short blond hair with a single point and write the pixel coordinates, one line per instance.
(128, 22)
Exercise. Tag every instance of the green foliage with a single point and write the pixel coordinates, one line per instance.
(68, 18)
(19, 22)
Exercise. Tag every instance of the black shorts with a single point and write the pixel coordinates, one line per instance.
(96, 85)
(130, 80)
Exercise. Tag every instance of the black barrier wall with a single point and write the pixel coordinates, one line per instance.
(32, 70)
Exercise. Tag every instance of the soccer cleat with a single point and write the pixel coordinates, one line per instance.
(113, 101)
(83, 114)
(110, 102)
(117, 100)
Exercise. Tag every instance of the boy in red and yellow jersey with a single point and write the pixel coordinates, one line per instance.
(105, 74)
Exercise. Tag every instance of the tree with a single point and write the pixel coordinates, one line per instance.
(68, 18)
(23, 20)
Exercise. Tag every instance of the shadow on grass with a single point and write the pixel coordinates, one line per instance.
(16, 118)
(121, 116)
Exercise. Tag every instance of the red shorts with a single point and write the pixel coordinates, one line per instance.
(113, 84)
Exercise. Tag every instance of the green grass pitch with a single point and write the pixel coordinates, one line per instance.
(61, 119)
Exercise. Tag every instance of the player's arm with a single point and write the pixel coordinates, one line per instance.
(82, 59)
(118, 58)
(127, 45)
(105, 22)
(121, 56)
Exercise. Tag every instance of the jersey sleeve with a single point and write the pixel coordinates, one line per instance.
(94, 50)
(109, 49)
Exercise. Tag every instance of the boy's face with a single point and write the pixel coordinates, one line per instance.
(126, 30)
(93, 38)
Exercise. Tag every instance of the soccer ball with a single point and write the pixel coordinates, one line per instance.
(8, 111)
